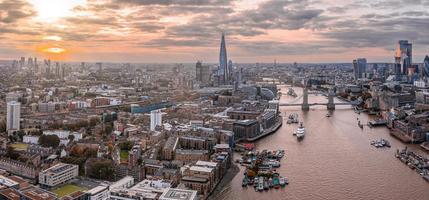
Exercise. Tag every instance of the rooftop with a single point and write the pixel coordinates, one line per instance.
(178, 194)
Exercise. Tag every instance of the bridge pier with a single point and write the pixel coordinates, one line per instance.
(305, 106)
(331, 104)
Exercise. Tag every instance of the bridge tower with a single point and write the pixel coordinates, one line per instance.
(331, 104)
(305, 106)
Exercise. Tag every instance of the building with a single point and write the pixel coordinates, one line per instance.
(203, 73)
(155, 119)
(191, 155)
(58, 174)
(124, 183)
(13, 116)
(245, 129)
(425, 70)
(147, 189)
(359, 67)
(100, 192)
(179, 194)
(19, 168)
(223, 62)
(403, 57)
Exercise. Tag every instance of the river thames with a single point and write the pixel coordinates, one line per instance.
(335, 160)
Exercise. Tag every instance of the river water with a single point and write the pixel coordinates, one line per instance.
(334, 161)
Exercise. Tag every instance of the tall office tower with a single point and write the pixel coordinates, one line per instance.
(99, 66)
(57, 69)
(230, 70)
(47, 67)
(30, 62)
(36, 65)
(223, 59)
(426, 68)
(13, 116)
(21, 62)
(359, 67)
(155, 119)
(198, 73)
(403, 56)
(63, 71)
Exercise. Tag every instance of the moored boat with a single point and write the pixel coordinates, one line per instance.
(300, 132)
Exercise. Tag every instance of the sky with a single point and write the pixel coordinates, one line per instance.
(172, 31)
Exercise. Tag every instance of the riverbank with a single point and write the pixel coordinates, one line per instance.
(227, 179)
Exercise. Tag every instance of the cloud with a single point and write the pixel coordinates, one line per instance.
(12, 11)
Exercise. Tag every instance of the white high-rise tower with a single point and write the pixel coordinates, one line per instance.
(13, 116)
(155, 119)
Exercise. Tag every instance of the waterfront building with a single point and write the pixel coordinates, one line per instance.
(403, 57)
(58, 174)
(155, 119)
(245, 129)
(223, 62)
(359, 67)
(13, 116)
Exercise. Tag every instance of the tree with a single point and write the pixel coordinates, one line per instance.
(49, 141)
(94, 121)
(71, 138)
(11, 153)
(101, 169)
(126, 146)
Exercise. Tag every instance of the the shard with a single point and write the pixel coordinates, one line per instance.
(223, 62)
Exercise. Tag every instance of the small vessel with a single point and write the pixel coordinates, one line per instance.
(300, 132)
(270, 183)
(266, 187)
(282, 181)
(244, 183)
(261, 184)
(328, 115)
(276, 181)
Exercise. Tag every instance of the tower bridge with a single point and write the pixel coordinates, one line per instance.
(330, 105)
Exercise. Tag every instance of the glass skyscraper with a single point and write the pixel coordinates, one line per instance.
(426, 68)
(223, 62)
(403, 57)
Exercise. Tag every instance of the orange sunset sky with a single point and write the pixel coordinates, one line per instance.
(164, 31)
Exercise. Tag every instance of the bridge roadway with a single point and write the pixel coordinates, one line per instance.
(313, 104)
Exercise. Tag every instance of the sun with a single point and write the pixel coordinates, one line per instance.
(52, 10)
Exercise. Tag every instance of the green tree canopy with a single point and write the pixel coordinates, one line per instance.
(49, 141)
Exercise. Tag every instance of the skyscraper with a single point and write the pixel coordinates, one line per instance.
(202, 72)
(403, 57)
(223, 61)
(230, 75)
(359, 67)
(13, 116)
(426, 68)
(155, 119)
(198, 68)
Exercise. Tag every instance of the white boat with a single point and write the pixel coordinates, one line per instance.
(300, 132)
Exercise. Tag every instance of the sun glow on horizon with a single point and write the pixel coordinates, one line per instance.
(55, 50)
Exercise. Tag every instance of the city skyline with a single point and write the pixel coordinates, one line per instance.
(185, 31)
